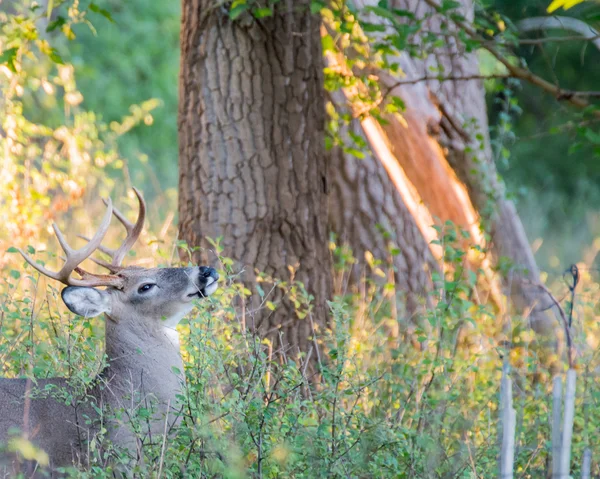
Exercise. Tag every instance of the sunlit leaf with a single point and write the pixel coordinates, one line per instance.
(262, 12)
(105, 13)
(55, 57)
(565, 4)
(237, 10)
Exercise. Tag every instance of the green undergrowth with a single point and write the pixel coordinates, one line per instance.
(376, 396)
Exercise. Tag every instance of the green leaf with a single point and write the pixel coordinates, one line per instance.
(262, 12)
(143, 413)
(328, 43)
(592, 136)
(372, 27)
(55, 57)
(316, 6)
(54, 24)
(575, 147)
(449, 5)
(354, 152)
(105, 13)
(237, 10)
(404, 13)
(382, 12)
(15, 274)
(8, 57)
(12, 249)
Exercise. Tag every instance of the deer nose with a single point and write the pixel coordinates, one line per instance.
(208, 272)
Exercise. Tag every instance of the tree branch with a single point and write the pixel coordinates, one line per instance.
(515, 70)
(561, 23)
(425, 78)
(540, 41)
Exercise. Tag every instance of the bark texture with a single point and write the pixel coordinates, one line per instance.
(251, 144)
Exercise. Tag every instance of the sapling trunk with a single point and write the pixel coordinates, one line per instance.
(567, 431)
(556, 420)
(508, 420)
(586, 464)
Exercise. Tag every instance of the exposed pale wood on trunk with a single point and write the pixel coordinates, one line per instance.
(372, 195)
(363, 197)
(463, 110)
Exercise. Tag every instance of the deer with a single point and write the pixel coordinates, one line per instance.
(142, 307)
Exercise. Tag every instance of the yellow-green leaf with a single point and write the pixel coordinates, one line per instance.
(566, 4)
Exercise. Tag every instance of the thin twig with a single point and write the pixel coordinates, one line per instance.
(540, 41)
(563, 316)
(441, 78)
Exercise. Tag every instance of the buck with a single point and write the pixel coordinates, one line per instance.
(142, 307)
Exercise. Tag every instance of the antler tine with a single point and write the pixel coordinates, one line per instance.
(39, 267)
(105, 264)
(110, 252)
(75, 257)
(99, 261)
(133, 231)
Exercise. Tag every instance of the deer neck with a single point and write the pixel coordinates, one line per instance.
(143, 357)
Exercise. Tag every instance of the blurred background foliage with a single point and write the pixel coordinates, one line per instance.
(553, 165)
(131, 60)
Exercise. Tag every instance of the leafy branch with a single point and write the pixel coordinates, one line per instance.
(574, 98)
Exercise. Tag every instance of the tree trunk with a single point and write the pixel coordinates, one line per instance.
(462, 129)
(442, 143)
(251, 145)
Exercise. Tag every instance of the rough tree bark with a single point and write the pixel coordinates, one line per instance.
(251, 144)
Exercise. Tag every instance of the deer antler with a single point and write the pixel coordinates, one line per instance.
(133, 233)
(75, 257)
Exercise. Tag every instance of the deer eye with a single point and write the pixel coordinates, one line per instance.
(145, 288)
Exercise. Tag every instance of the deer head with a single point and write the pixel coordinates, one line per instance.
(153, 296)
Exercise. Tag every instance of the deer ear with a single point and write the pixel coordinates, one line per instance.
(86, 302)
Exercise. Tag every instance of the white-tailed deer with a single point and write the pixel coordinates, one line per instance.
(142, 307)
